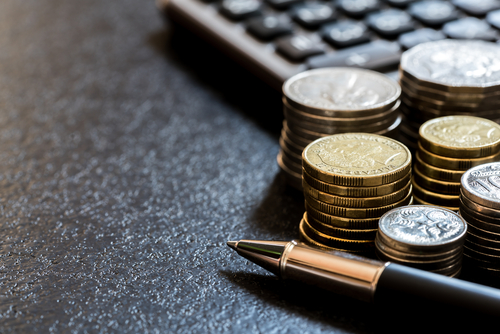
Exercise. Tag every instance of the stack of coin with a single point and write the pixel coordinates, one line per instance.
(447, 147)
(322, 102)
(424, 237)
(448, 77)
(350, 180)
(480, 207)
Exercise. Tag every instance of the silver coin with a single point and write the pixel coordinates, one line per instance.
(481, 184)
(466, 66)
(418, 227)
(340, 89)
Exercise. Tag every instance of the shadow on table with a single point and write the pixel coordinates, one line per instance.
(220, 74)
(350, 315)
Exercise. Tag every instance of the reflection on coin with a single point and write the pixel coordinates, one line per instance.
(481, 184)
(337, 232)
(461, 136)
(436, 172)
(462, 66)
(344, 92)
(356, 159)
(424, 195)
(438, 186)
(417, 227)
(342, 222)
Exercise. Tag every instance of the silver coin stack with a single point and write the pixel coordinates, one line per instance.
(322, 102)
(480, 207)
(448, 77)
(424, 237)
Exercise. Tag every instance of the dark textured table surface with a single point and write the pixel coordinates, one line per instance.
(130, 153)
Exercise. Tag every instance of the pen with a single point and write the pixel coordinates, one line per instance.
(366, 279)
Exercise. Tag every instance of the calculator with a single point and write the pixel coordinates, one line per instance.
(276, 39)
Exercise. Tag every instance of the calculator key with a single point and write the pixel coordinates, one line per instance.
(313, 14)
(410, 39)
(493, 18)
(358, 8)
(346, 33)
(269, 27)
(391, 22)
(240, 9)
(470, 28)
(298, 47)
(376, 55)
(399, 3)
(477, 7)
(282, 4)
(433, 13)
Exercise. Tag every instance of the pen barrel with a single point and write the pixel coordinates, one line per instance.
(401, 285)
(335, 271)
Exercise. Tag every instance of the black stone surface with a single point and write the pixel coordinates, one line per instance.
(129, 155)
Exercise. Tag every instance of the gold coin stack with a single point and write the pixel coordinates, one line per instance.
(350, 180)
(447, 147)
(424, 237)
(322, 102)
(448, 77)
(480, 207)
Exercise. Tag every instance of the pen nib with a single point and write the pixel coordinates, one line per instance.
(232, 244)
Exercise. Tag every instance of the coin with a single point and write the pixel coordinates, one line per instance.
(481, 184)
(290, 154)
(354, 212)
(301, 116)
(341, 92)
(300, 141)
(424, 195)
(422, 202)
(479, 219)
(456, 66)
(292, 146)
(454, 163)
(356, 202)
(461, 136)
(478, 207)
(356, 159)
(337, 232)
(420, 227)
(338, 243)
(482, 249)
(485, 234)
(438, 186)
(436, 172)
(342, 222)
(375, 191)
(293, 178)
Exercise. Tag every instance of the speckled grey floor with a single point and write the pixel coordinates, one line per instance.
(129, 156)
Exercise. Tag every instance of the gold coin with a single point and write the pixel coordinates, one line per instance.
(338, 243)
(454, 163)
(422, 202)
(376, 191)
(355, 212)
(438, 186)
(356, 202)
(337, 232)
(342, 222)
(429, 197)
(356, 159)
(460, 136)
(436, 172)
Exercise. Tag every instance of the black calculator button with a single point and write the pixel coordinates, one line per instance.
(399, 3)
(240, 9)
(269, 27)
(346, 33)
(410, 39)
(433, 13)
(376, 55)
(391, 22)
(313, 14)
(298, 47)
(282, 4)
(470, 28)
(493, 18)
(477, 7)
(358, 8)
